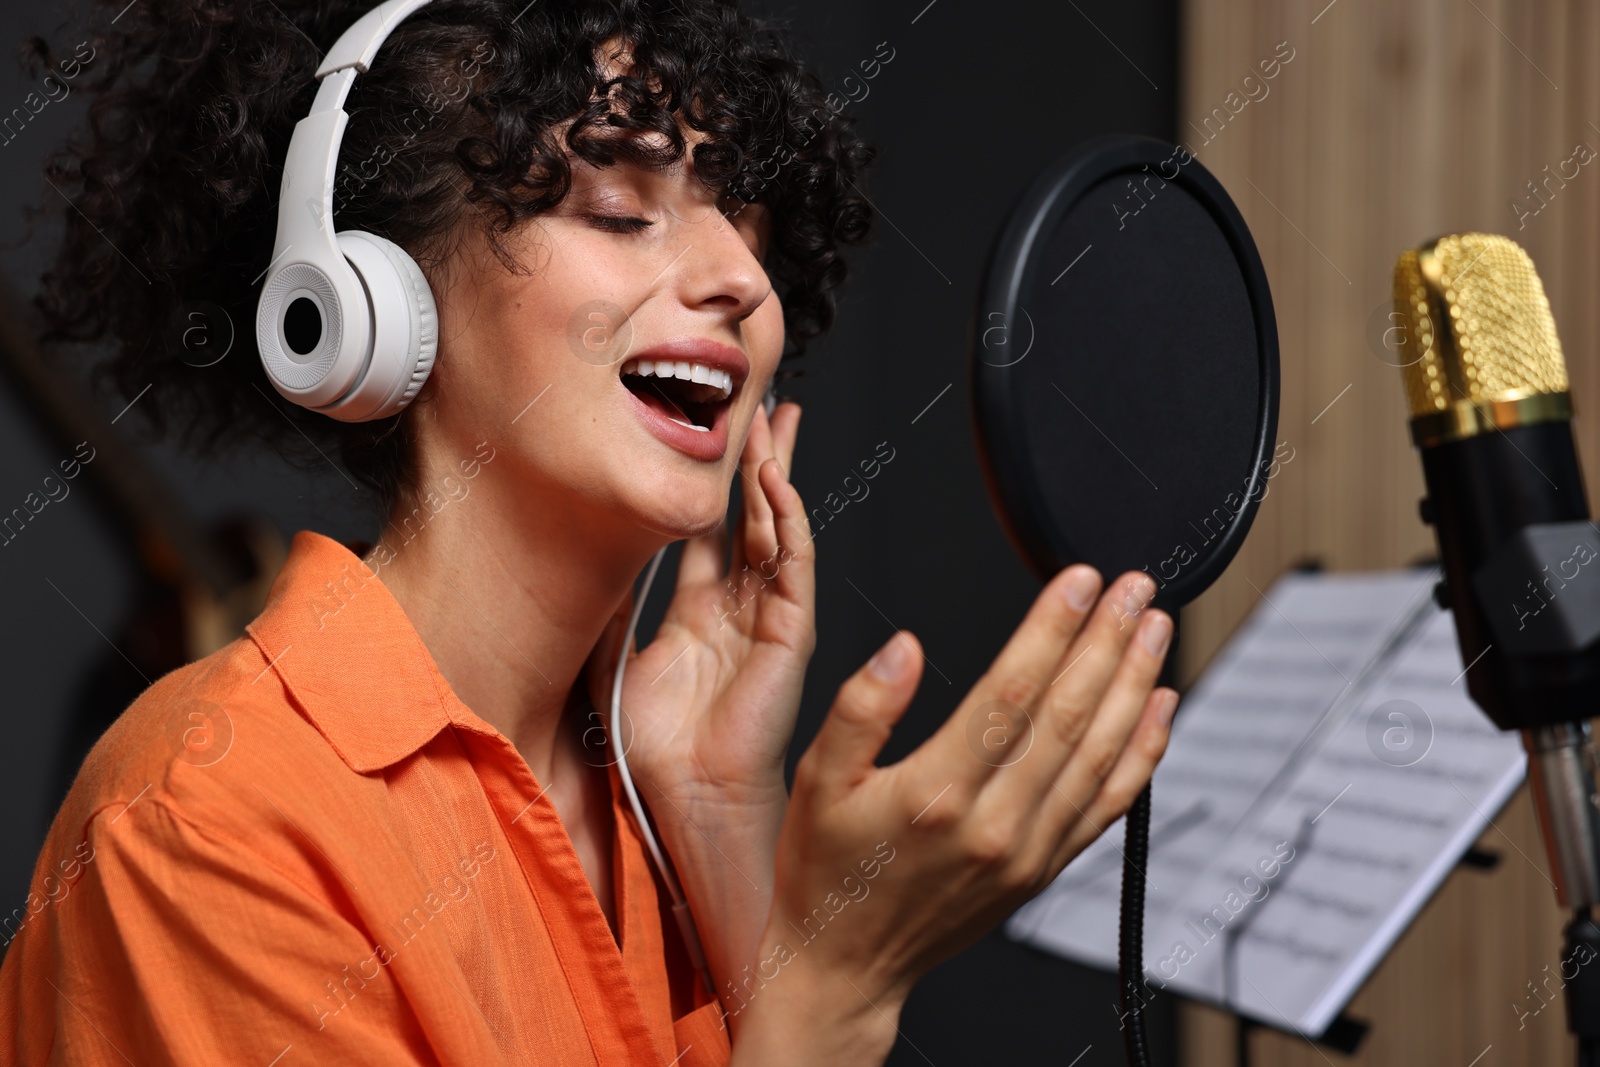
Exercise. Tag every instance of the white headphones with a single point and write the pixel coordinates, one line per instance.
(346, 323)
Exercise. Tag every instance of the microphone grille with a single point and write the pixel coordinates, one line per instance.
(1475, 325)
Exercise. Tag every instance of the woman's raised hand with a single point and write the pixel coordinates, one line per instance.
(709, 706)
(884, 871)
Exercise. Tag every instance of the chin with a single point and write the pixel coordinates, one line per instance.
(686, 510)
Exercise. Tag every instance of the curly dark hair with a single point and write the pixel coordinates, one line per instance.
(463, 120)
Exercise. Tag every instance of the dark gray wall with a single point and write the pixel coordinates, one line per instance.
(978, 98)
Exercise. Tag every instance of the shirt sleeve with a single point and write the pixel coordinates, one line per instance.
(179, 946)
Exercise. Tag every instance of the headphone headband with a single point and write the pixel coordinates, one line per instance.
(357, 45)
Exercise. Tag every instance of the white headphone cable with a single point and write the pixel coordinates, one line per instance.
(680, 906)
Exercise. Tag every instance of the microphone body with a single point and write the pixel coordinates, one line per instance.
(1491, 416)
(1519, 558)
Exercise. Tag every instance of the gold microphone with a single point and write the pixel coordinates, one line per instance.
(1478, 340)
(1491, 418)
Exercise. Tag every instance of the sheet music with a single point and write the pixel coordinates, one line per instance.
(1322, 779)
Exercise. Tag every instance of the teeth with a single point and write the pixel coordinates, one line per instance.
(684, 371)
(692, 426)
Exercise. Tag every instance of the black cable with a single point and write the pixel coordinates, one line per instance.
(1130, 948)
(1583, 988)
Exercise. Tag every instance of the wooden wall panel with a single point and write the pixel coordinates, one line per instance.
(1393, 123)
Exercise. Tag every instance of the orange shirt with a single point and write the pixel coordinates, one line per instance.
(305, 849)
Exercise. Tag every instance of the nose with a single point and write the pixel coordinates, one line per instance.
(718, 269)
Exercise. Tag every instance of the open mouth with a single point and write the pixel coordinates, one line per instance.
(690, 394)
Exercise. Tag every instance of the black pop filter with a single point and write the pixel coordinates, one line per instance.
(1125, 369)
(1125, 396)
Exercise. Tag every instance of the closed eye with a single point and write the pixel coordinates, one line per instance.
(620, 223)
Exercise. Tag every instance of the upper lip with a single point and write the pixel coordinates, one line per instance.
(699, 350)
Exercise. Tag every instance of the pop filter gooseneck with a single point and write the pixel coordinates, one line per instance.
(1125, 396)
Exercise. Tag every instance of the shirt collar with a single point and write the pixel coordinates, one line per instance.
(349, 656)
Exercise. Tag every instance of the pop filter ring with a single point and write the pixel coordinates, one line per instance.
(1003, 449)
(1012, 477)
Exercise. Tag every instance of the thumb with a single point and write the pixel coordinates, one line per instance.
(868, 705)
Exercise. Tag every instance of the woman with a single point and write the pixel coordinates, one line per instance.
(384, 827)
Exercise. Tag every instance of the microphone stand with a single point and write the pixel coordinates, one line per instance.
(1561, 773)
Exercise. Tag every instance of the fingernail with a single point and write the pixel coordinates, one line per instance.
(1169, 704)
(1140, 591)
(890, 660)
(1080, 587)
(1157, 633)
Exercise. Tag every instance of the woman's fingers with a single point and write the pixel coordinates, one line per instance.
(1081, 685)
(1124, 700)
(1073, 709)
(997, 716)
(754, 539)
(1115, 795)
(785, 424)
(757, 542)
(866, 708)
(793, 564)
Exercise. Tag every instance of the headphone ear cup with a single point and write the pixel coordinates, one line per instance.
(405, 329)
(424, 326)
(313, 331)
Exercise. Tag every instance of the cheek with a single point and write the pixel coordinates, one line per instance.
(764, 336)
(499, 344)
(488, 369)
